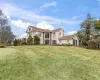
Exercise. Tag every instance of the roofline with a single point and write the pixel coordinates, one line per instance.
(67, 37)
(45, 30)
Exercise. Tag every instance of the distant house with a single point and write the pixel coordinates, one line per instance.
(52, 37)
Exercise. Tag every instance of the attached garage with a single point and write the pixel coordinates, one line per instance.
(71, 39)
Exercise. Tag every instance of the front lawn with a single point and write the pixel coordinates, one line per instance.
(49, 63)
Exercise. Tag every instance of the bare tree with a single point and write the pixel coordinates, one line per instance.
(6, 34)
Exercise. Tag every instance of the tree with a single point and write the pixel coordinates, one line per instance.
(30, 40)
(5, 29)
(89, 34)
(86, 31)
(16, 42)
(97, 27)
(97, 41)
(36, 40)
(80, 37)
(23, 41)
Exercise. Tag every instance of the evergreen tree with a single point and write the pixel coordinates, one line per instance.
(15, 42)
(30, 40)
(36, 40)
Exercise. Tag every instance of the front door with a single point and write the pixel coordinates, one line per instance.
(74, 42)
(54, 42)
(46, 41)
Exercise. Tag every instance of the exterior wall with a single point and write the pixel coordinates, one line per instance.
(41, 38)
(39, 34)
(69, 41)
(53, 36)
(66, 42)
(57, 35)
(76, 38)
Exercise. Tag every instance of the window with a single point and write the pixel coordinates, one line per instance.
(76, 42)
(68, 41)
(54, 33)
(46, 41)
(54, 42)
(60, 41)
(39, 34)
(59, 33)
(46, 35)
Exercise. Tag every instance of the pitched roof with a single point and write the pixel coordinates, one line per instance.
(39, 29)
(56, 29)
(44, 30)
(67, 37)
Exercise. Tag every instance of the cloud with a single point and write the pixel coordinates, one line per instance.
(31, 16)
(75, 17)
(45, 25)
(20, 24)
(48, 5)
(72, 32)
(8, 17)
(23, 36)
(24, 25)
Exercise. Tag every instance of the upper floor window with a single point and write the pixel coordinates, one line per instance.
(39, 34)
(53, 33)
(59, 33)
(46, 35)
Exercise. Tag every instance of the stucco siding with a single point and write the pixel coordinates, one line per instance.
(41, 38)
(66, 42)
(76, 38)
(55, 36)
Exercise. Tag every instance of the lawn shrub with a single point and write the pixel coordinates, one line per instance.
(23, 41)
(91, 44)
(69, 44)
(1, 45)
(97, 42)
(94, 44)
(16, 42)
(65, 45)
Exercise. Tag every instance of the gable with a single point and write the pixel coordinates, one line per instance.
(29, 29)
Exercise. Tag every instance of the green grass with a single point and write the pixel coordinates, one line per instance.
(49, 63)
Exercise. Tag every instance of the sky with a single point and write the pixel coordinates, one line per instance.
(48, 14)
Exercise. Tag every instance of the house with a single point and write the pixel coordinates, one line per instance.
(52, 37)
